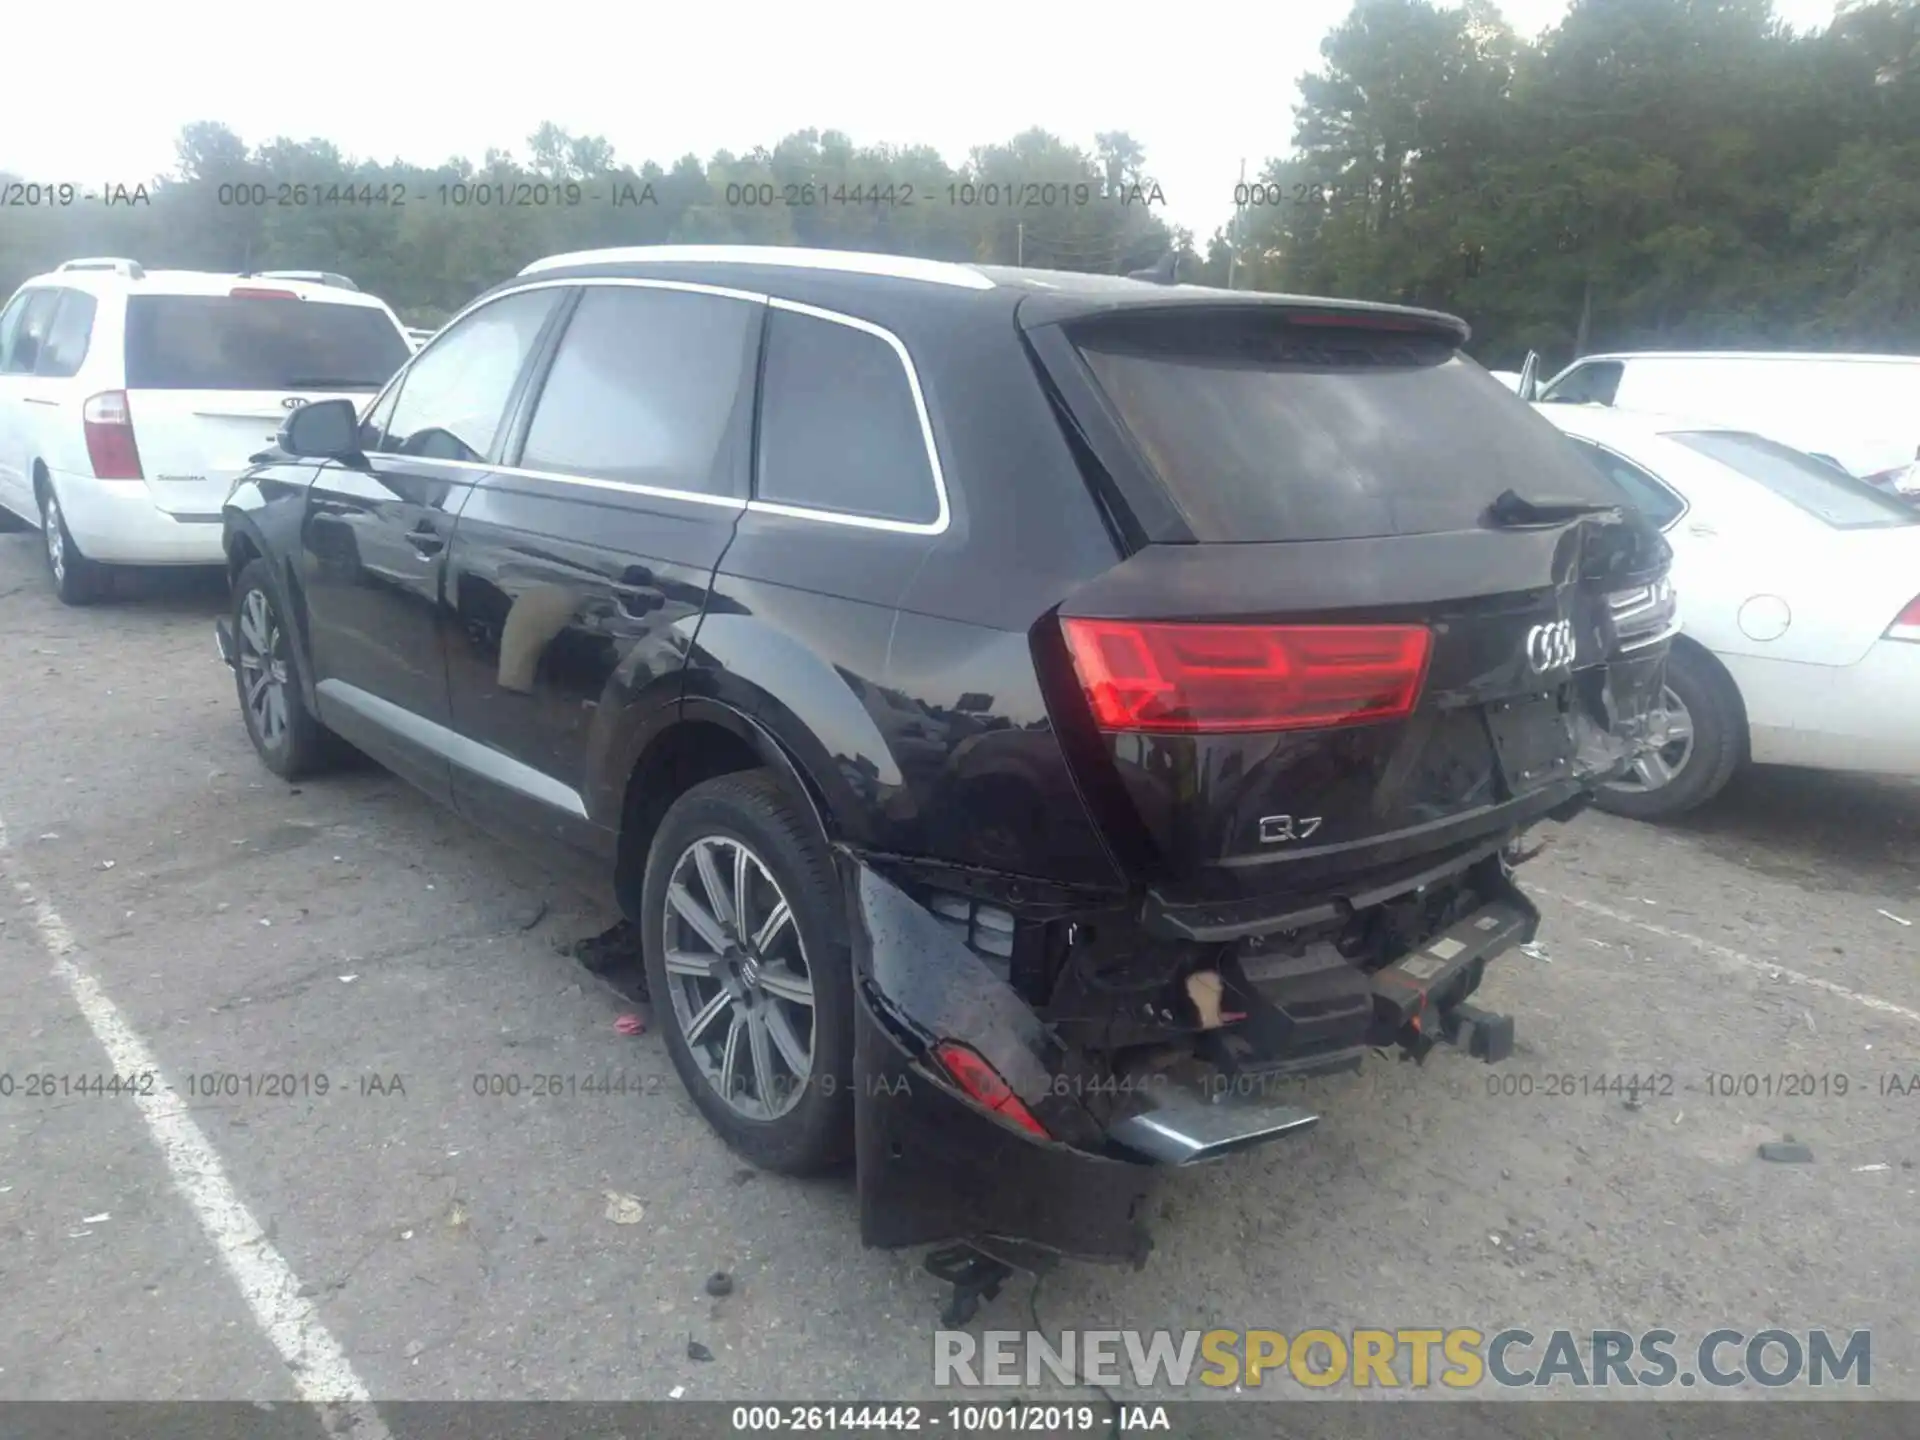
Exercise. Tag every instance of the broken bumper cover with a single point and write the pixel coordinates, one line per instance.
(937, 1166)
(933, 1165)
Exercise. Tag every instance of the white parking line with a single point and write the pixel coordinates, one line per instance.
(321, 1372)
(1735, 958)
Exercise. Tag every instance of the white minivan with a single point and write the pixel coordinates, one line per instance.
(131, 399)
(1862, 412)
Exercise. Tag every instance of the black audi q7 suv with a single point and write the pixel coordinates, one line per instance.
(1029, 717)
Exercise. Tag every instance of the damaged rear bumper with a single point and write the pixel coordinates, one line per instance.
(936, 1165)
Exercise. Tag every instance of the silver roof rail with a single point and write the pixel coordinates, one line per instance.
(117, 264)
(311, 277)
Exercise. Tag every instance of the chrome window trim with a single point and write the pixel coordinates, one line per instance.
(943, 517)
(943, 512)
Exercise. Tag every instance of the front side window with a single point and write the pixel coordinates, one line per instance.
(1594, 384)
(10, 322)
(30, 332)
(1659, 504)
(650, 387)
(454, 398)
(840, 430)
(67, 339)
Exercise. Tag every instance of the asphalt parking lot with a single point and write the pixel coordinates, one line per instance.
(164, 896)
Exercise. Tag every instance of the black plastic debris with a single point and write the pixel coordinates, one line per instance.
(1787, 1152)
(719, 1283)
(697, 1351)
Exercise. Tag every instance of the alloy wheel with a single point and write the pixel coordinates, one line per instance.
(54, 529)
(263, 668)
(738, 977)
(1673, 736)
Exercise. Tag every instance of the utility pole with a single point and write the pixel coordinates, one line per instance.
(1233, 225)
(1020, 244)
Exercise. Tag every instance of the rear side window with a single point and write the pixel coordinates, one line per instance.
(650, 387)
(453, 399)
(72, 328)
(1263, 430)
(29, 332)
(840, 424)
(1594, 384)
(225, 342)
(1827, 494)
(1656, 501)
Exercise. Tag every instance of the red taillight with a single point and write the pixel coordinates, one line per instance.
(1906, 625)
(254, 292)
(109, 427)
(1191, 678)
(982, 1083)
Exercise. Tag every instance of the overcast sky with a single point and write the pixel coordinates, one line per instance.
(110, 83)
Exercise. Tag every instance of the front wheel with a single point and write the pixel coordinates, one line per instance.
(288, 739)
(1698, 751)
(748, 966)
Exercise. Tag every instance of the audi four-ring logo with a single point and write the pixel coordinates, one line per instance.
(1550, 647)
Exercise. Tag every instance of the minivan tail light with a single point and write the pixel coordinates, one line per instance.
(984, 1085)
(109, 427)
(1168, 677)
(1906, 625)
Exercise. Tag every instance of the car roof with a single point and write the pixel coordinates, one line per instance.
(1784, 356)
(193, 282)
(1602, 421)
(1042, 295)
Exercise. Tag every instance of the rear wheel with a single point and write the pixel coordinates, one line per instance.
(288, 739)
(1699, 753)
(749, 970)
(76, 579)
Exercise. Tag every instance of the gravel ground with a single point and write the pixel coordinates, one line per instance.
(439, 1243)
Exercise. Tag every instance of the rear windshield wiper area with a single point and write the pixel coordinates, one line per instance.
(1511, 510)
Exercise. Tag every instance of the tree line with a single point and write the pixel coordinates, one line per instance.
(1647, 173)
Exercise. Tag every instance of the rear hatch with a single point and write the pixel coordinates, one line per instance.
(210, 377)
(1335, 654)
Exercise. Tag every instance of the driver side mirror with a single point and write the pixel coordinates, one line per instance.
(324, 430)
(1529, 386)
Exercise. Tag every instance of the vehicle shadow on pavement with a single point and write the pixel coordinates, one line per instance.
(1854, 832)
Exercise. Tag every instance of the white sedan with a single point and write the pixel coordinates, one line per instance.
(1800, 591)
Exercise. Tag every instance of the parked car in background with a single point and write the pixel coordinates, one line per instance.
(417, 336)
(130, 400)
(1800, 591)
(1508, 378)
(1860, 411)
(1026, 715)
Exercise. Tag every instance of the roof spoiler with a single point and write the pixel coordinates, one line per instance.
(115, 264)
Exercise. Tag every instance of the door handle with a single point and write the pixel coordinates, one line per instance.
(425, 543)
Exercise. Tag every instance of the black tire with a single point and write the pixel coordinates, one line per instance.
(76, 579)
(1718, 744)
(751, 808)
(299, 746)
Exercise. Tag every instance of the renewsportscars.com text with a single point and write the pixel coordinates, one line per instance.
(1459, 1358)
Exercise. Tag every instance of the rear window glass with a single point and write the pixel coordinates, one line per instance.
(220, 342)
(1819, 489)
(1261, 430)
